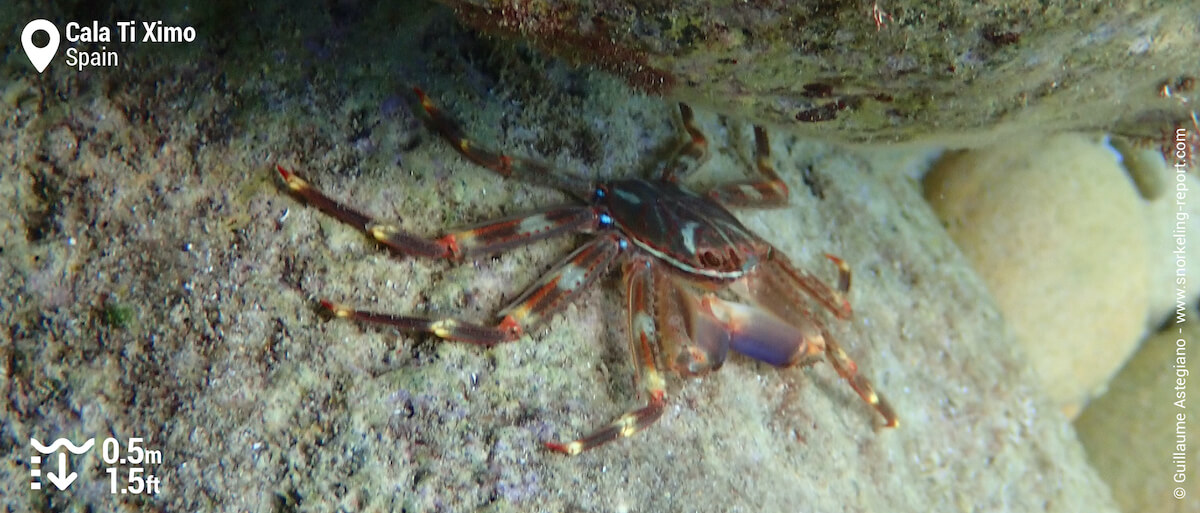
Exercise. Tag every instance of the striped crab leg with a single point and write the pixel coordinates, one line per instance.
(768, 191)
(486, 238)
(507, 166)
(556, 289)
(639, 281)
(692, 151)
(562, 285)
(785, 289)
(762, 333)
(848, 370)
(833, 299)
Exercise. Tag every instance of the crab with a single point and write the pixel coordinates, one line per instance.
(681, 254)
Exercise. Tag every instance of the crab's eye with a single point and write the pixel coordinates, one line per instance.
(599, 194)
(605, 220)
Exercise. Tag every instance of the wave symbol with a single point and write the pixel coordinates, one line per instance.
(62, 442)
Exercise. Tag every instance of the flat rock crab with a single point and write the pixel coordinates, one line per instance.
(676, 249)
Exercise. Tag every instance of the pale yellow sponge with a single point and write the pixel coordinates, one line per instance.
(1058, 231)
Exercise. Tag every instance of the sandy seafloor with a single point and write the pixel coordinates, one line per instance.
(156, 281)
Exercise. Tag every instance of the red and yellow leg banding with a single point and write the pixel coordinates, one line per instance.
(848, 370)
(834, 300)
(692, 151)
(504, 165)
(767, 191)
(644, 346)
(487, 238)
(391, 236)
(563, 284)
(507, 330)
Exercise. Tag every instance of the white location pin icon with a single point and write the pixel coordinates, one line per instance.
(40, 57)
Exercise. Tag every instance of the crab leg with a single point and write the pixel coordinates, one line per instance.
(566, 281)
(496, 236)
(507, 330)
(691, 153)
(763, 336)
(848, 370)
(486, 238)
(768, 191)
(558, 288)
(523, 169)
(639, 280)
(776, 283)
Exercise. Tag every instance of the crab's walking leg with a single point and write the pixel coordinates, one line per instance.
(639, 279)
(763, 336)
(496, 236)
(490, 237)
(774, 287)
(566, 281)
(558, 288)
(768, 191)
(507, 330)
(832, 299)
(692, 151)
(848, 370)
(523, 169)
(776, 284)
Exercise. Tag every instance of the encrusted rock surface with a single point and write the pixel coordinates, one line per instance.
(955, 72)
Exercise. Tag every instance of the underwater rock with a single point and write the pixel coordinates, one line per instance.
(1057, 230)
(956, 72)
(1129, 432)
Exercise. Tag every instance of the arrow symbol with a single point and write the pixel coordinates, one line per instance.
(62, 480)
